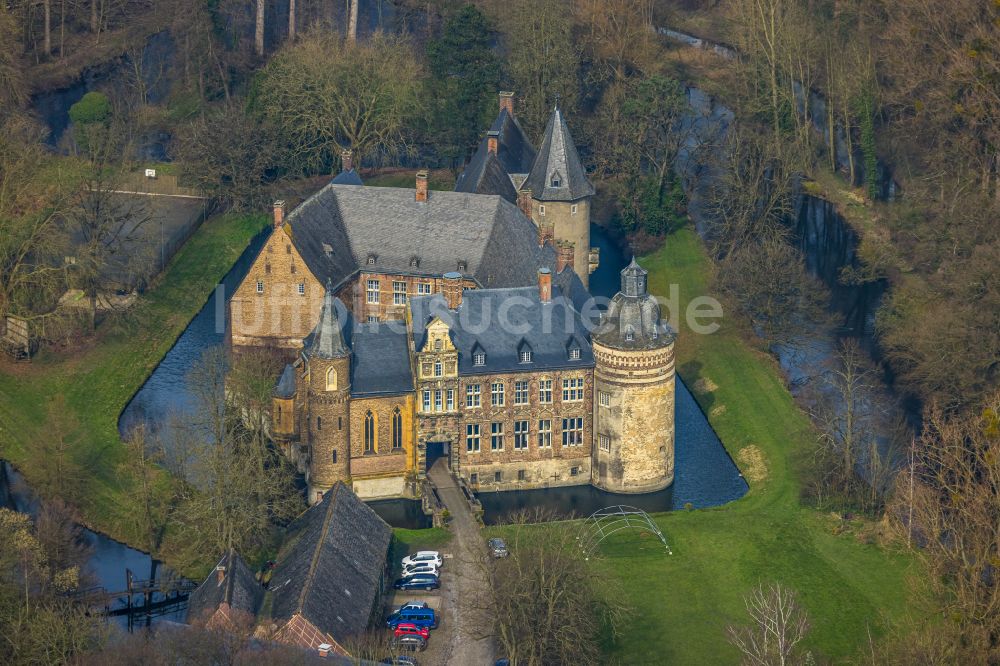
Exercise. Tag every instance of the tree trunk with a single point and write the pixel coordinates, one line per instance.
(352, 25)
(93, 15)
(291, 20)
(259, 29)
(47, 39)
(62, 30)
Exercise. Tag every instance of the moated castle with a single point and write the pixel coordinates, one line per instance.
(419, 324)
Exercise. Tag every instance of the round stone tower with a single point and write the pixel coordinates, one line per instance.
(633, 392)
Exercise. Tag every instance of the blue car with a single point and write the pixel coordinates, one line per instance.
(418, 582)
(421, 617)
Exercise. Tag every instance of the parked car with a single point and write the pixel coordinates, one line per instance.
(399, 660)
(409, 629)
(423, 556)
(422, 617)
(498, 547)
(418, 582)
(420, 567)
(411, 642)
(417, 605)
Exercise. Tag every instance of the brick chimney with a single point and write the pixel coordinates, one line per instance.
(422, 185)
(452, 290)
(564, 256)
(507, 102)
(492, 140)
(524, 202)
(324, 649)
(347, 159)
(544, 285)
(279, 213)
(220, 574)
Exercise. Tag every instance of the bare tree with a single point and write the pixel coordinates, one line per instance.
(543, 603)
(258, 33)
(777, 626)
(352, 22)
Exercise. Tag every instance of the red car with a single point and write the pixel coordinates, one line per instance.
(408, 629)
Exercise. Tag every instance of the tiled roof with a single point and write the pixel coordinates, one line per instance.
(330, 568)
(486, 175)
(238, 589)
(558, 174)
(500, 322)
(632, 320)
(327, 339)
(286, 384)
(340, 227)
(515, 151)
(347, 178)
(381, 363)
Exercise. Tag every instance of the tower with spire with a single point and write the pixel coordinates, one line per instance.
(326, 365)
(634, 385)
(560, 193)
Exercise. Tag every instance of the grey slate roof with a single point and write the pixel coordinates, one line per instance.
(286, 383)
(327, 339)
(339, 227)
(485, 174)
(331, 566)
(502, 321)
(381, 363)
(238, 589)
(347, 178)
(513, 147)
(557, 158)
(632, 320)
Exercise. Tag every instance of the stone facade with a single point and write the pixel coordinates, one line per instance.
(634, 419)
(278, 302)
(326, 407)
(375, 296)
(569, 222)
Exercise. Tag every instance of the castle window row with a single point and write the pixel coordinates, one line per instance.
(572, 391)
(370, 439)
(434, 398)
(571, 432)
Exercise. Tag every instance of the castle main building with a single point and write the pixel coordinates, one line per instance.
(419, 325)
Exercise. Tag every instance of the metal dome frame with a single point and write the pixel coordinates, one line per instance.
(613, 519)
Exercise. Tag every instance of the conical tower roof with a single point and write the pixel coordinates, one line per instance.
(327, 339)
(558, 174)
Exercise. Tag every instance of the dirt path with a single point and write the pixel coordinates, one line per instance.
(462, 582)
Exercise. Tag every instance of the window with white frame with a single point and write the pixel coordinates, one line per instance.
(424, 288)
(572, 431)
(450, 400)
(373, 319)
(472, 438)
(604, 398)
(545, 391)
(437, 400)
(572, 389)
(372, 291)
(472, 395)
(604, 442)
(427, 401)
(541, 210)
(398, 293)
(496, 436)
(302, 288)
(260, 286)
(496, 394)
(544, 433)
(520, 434)
(574, 354)
(521, 392)
(572, 209)
(524, 356)
(479, 358)
(438, 369)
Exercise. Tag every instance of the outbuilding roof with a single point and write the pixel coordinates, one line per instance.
(237, 588)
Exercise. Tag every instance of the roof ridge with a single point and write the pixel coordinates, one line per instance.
(299, 607)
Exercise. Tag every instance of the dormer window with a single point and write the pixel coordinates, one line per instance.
(629, 335)
(574, 354)
(414, 262)
(556, 179)
(555, 182)
(327, 249)
(479, 358)
(371, 260)
(462, 266)
(524, 353)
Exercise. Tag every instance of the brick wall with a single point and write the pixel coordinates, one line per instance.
(278, 316)
(355, 294)
(384, 460)
(326, 424)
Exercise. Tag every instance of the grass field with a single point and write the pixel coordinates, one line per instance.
(78, 394)
(684, 602)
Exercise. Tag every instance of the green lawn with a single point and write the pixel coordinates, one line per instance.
(684, 602)
(85, 389)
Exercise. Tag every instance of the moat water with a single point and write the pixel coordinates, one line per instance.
(705, 475)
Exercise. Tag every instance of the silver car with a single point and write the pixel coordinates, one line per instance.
(497, 547)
